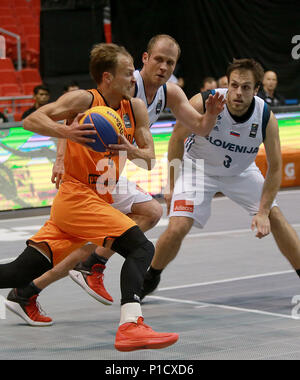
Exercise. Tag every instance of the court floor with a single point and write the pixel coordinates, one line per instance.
(227, 294)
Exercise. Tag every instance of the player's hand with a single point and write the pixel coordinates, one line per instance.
(79, 132)
(261, 223)
(124, 145)
(57, 172)
(215, 104)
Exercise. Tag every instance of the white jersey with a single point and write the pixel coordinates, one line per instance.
(158, 104)
(232, 145)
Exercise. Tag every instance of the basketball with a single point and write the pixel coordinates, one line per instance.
(108, 125)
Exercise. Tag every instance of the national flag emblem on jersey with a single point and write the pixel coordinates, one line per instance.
(236, 134)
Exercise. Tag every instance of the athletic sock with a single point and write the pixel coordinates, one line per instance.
(94, 259)
(130, 312)
(29, 291)
(154, 272)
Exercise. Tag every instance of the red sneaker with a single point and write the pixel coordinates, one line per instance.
(28, 309)
(138, 336)
(92, 282)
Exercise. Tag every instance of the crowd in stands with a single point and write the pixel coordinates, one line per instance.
(41, 93)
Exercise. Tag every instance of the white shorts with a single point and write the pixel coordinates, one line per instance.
(244, 189)
(126, 193)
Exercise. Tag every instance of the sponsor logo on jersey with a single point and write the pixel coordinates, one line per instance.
(126, 121)
(183, 205)
(158, 107)
(216, 128)
(232, 147)
(236, 134)
(253, 131)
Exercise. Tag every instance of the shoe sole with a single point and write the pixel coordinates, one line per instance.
(77, 277)
(145, 346)
(16, 309)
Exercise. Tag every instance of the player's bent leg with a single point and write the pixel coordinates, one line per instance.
(62, 269)
(19, 274)
(146, 214)
(170, 241)
(166, 250)
(286, 237)
(89, 274)
(24, 269)
(133, 334)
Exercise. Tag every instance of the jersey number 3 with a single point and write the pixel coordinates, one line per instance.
(227, 162)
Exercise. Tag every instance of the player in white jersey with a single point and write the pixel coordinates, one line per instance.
(158, 64)
(224, 161)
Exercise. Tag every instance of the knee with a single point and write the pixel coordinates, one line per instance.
(178, 228)
(276, 217)
(133, 243)
(155, 213)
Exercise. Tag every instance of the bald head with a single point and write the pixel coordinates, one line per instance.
(163, 40)
(270, 81)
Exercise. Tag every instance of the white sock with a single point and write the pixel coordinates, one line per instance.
(130, 312)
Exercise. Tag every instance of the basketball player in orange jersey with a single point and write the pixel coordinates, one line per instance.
(79, 214)
(151, 86)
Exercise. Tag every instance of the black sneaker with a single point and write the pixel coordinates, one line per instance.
(150, 284)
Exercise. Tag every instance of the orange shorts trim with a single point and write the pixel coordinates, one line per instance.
(79, 215)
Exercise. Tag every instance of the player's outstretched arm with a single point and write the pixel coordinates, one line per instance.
(187, 115)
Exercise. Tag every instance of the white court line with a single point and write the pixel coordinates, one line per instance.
(206, 304)
(25, 218)
(282, 192)
(226, 280)
(218, 233)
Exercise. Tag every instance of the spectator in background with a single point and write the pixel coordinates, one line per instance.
(3, 118)
(71, 86)
(268, 90)
(41, 96)
(223, 82)
(209, 83)
(178, 81)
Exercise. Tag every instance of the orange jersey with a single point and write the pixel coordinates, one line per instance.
(93, 168)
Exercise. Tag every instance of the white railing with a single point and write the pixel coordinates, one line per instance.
(18, 38)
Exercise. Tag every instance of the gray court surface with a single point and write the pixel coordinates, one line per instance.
(228, 295)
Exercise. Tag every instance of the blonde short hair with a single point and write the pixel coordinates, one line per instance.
(104, 57)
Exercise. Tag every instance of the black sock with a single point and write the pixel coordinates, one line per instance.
(29, 291)
(154, 272)
(94, 259)
(298, 272)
